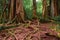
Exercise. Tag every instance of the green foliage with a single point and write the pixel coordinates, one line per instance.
(55, 27)
(44, 20)
(39, 7)
(1, 6)
(28, 6)
(57, 19)
(58, 28)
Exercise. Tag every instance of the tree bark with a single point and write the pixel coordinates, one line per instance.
(20, 11)
(11, 14)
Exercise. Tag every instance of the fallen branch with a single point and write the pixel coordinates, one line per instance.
(5, 26)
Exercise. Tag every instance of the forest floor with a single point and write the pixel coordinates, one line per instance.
(33, 31)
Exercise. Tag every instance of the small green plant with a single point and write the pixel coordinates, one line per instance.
(44, 20)
(56, 27)
(56, 19)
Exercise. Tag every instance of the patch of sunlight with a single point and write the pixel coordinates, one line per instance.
(36, 0)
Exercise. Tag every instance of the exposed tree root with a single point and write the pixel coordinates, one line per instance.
(31, 32)
(13, 35)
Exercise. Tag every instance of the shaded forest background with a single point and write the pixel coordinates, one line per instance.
(16, 11)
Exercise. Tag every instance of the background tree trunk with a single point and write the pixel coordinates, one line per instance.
(54, 8)
(34, 8)
(58, 7)
(44, 10)
(49, 9)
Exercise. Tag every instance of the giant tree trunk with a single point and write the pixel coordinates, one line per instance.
(34, 8)
(11, 14)
(19, 10)
(44, 12)
(54, 9)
